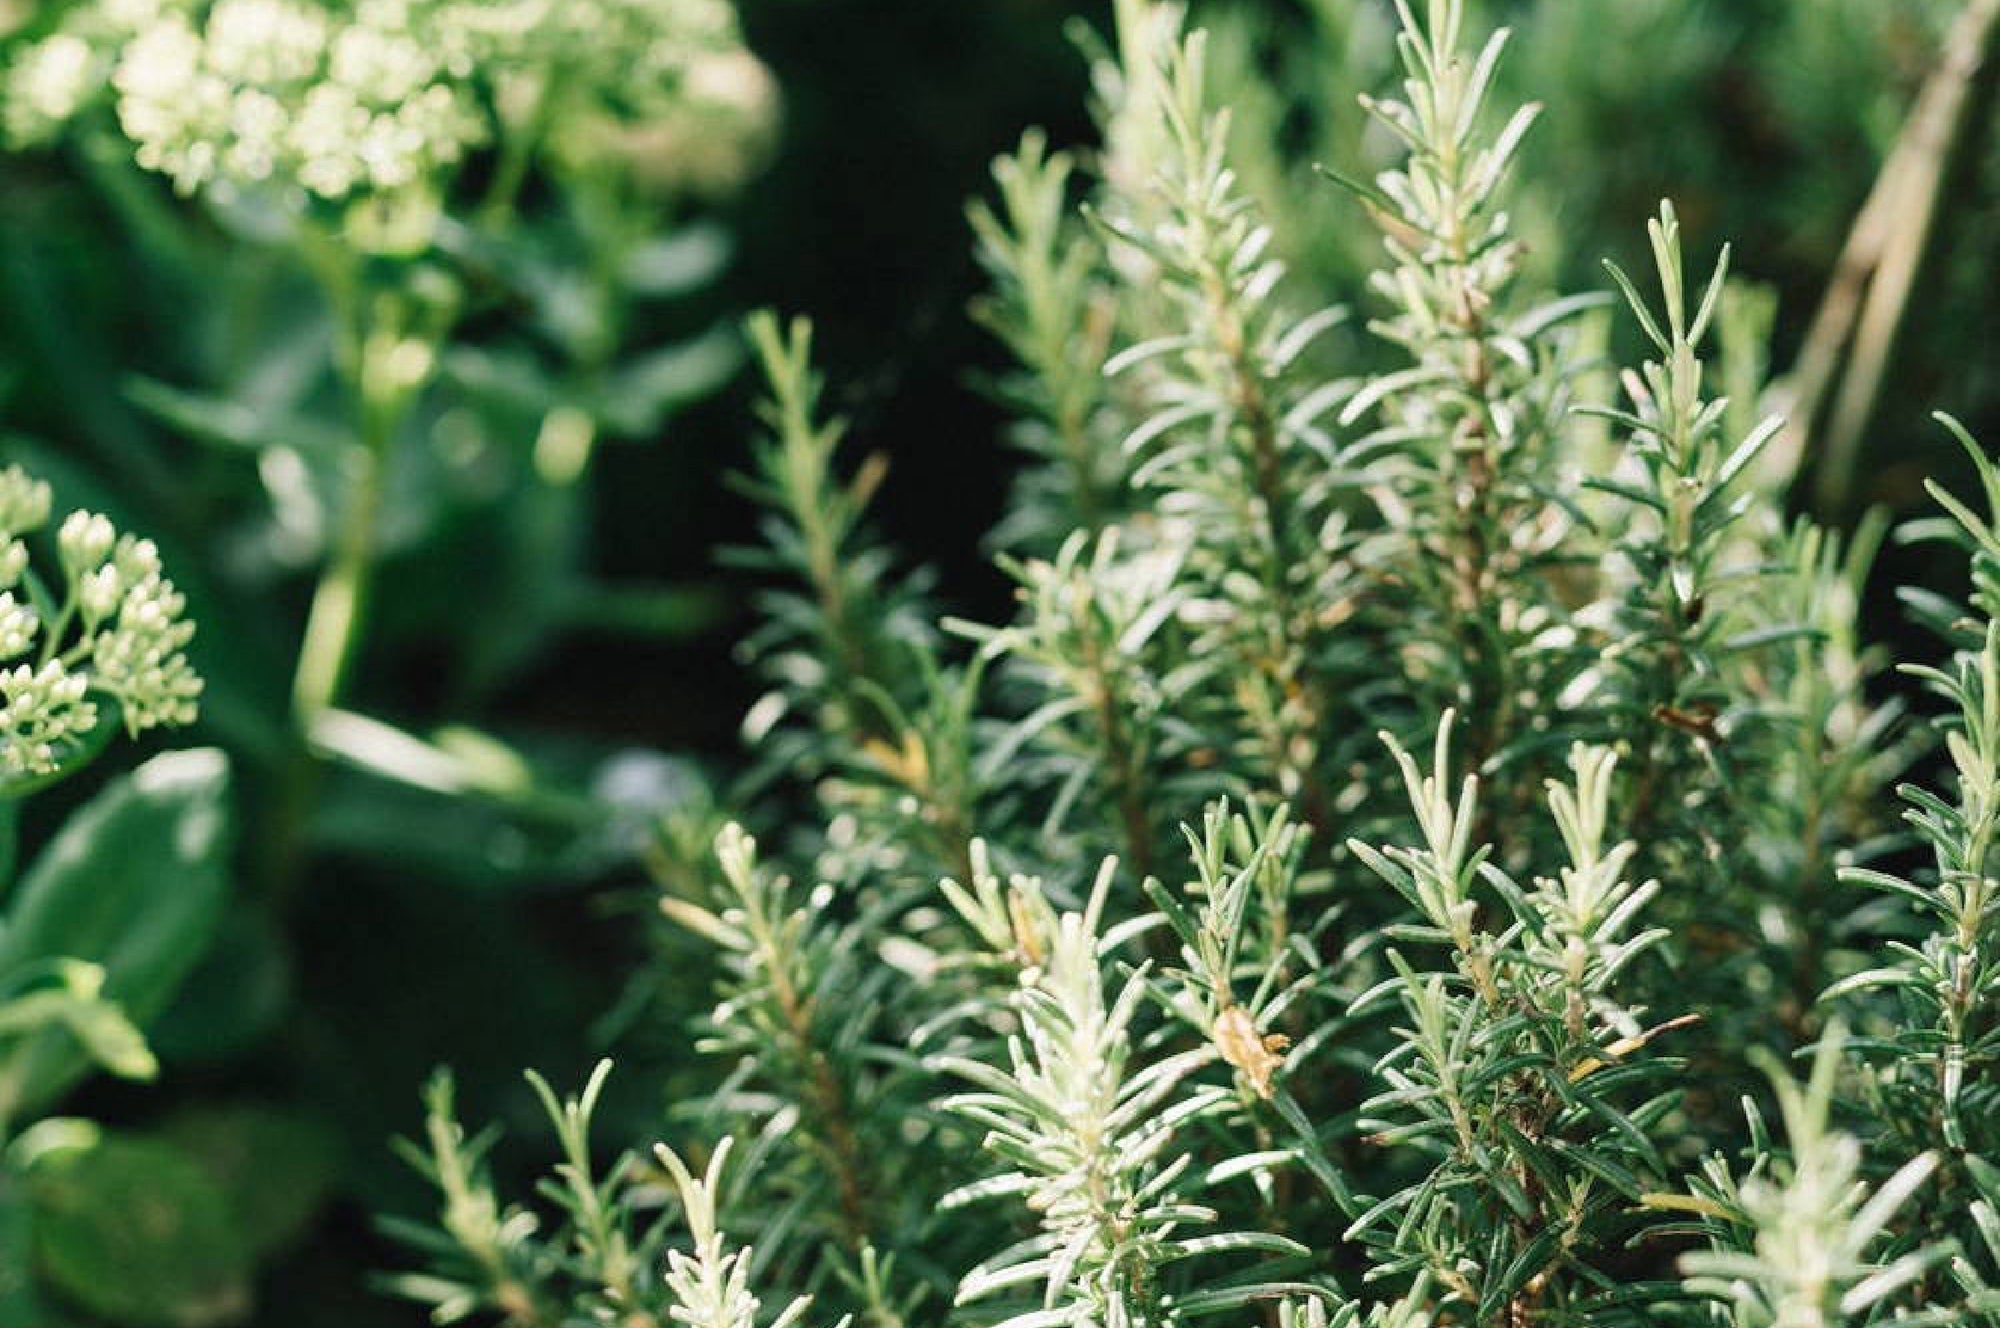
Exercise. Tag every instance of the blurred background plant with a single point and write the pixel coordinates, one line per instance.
(340, 302)
(382, 278)
(99, 930)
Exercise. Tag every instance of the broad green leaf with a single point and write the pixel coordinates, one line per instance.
(133, 882)
(134, 1231)
(640, 393)
(233, 997)
(20, 1303)
(678, 263)
(273, 1167)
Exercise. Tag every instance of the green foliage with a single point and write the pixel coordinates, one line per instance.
(607, 1261)
(1090, 1139)
(273, 1167)
(101, 929)
(1374, 1043)
(1521, 1069)
(461, 217)
(381, 281)
(1281, 555)
(1053, 306)
(134, 1230)
(131, 888)
(1796, 1240)
(1113, 963)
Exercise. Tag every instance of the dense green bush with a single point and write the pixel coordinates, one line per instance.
(1149, 977)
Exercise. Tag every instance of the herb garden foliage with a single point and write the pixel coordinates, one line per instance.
(1393, 867)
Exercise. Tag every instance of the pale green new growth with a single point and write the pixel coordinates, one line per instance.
(1092, 1143)
(1056, 309)
(711, 1286)
(1801, 1233)
(605, 1259)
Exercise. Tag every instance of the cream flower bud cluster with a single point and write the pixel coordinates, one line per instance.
(631, 46)
(116, 629)
(259, 92)
(47, 85)
(337, 100)
(675, 99)
(138, 656)
(43, 709)
(24, 504)
(48, 82)
(330, 100)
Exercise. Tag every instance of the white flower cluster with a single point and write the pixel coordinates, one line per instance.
(330, 100)
(276, 90)
(49, 81)
(337, 100)
(42, 705)
(43, 709)
(662, 90)
(47, 85)
(116, 629)
(133, 618)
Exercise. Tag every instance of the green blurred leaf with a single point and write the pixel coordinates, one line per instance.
(678, 264)
(643, 391)
(235, 424)
(20, 1306)
(110, 1038)
(569, 811)
(502, 377)
(233, 997)
(274, 1167)
(135, 1231)
(666, 612)
(133, 882)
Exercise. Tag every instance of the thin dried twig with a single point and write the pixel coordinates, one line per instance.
(1839, 372)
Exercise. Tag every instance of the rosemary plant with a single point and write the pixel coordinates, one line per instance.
(609, 1261)
(1091, 1144)
(1145, 976)
(1931, 1052)
(1799, 1240)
